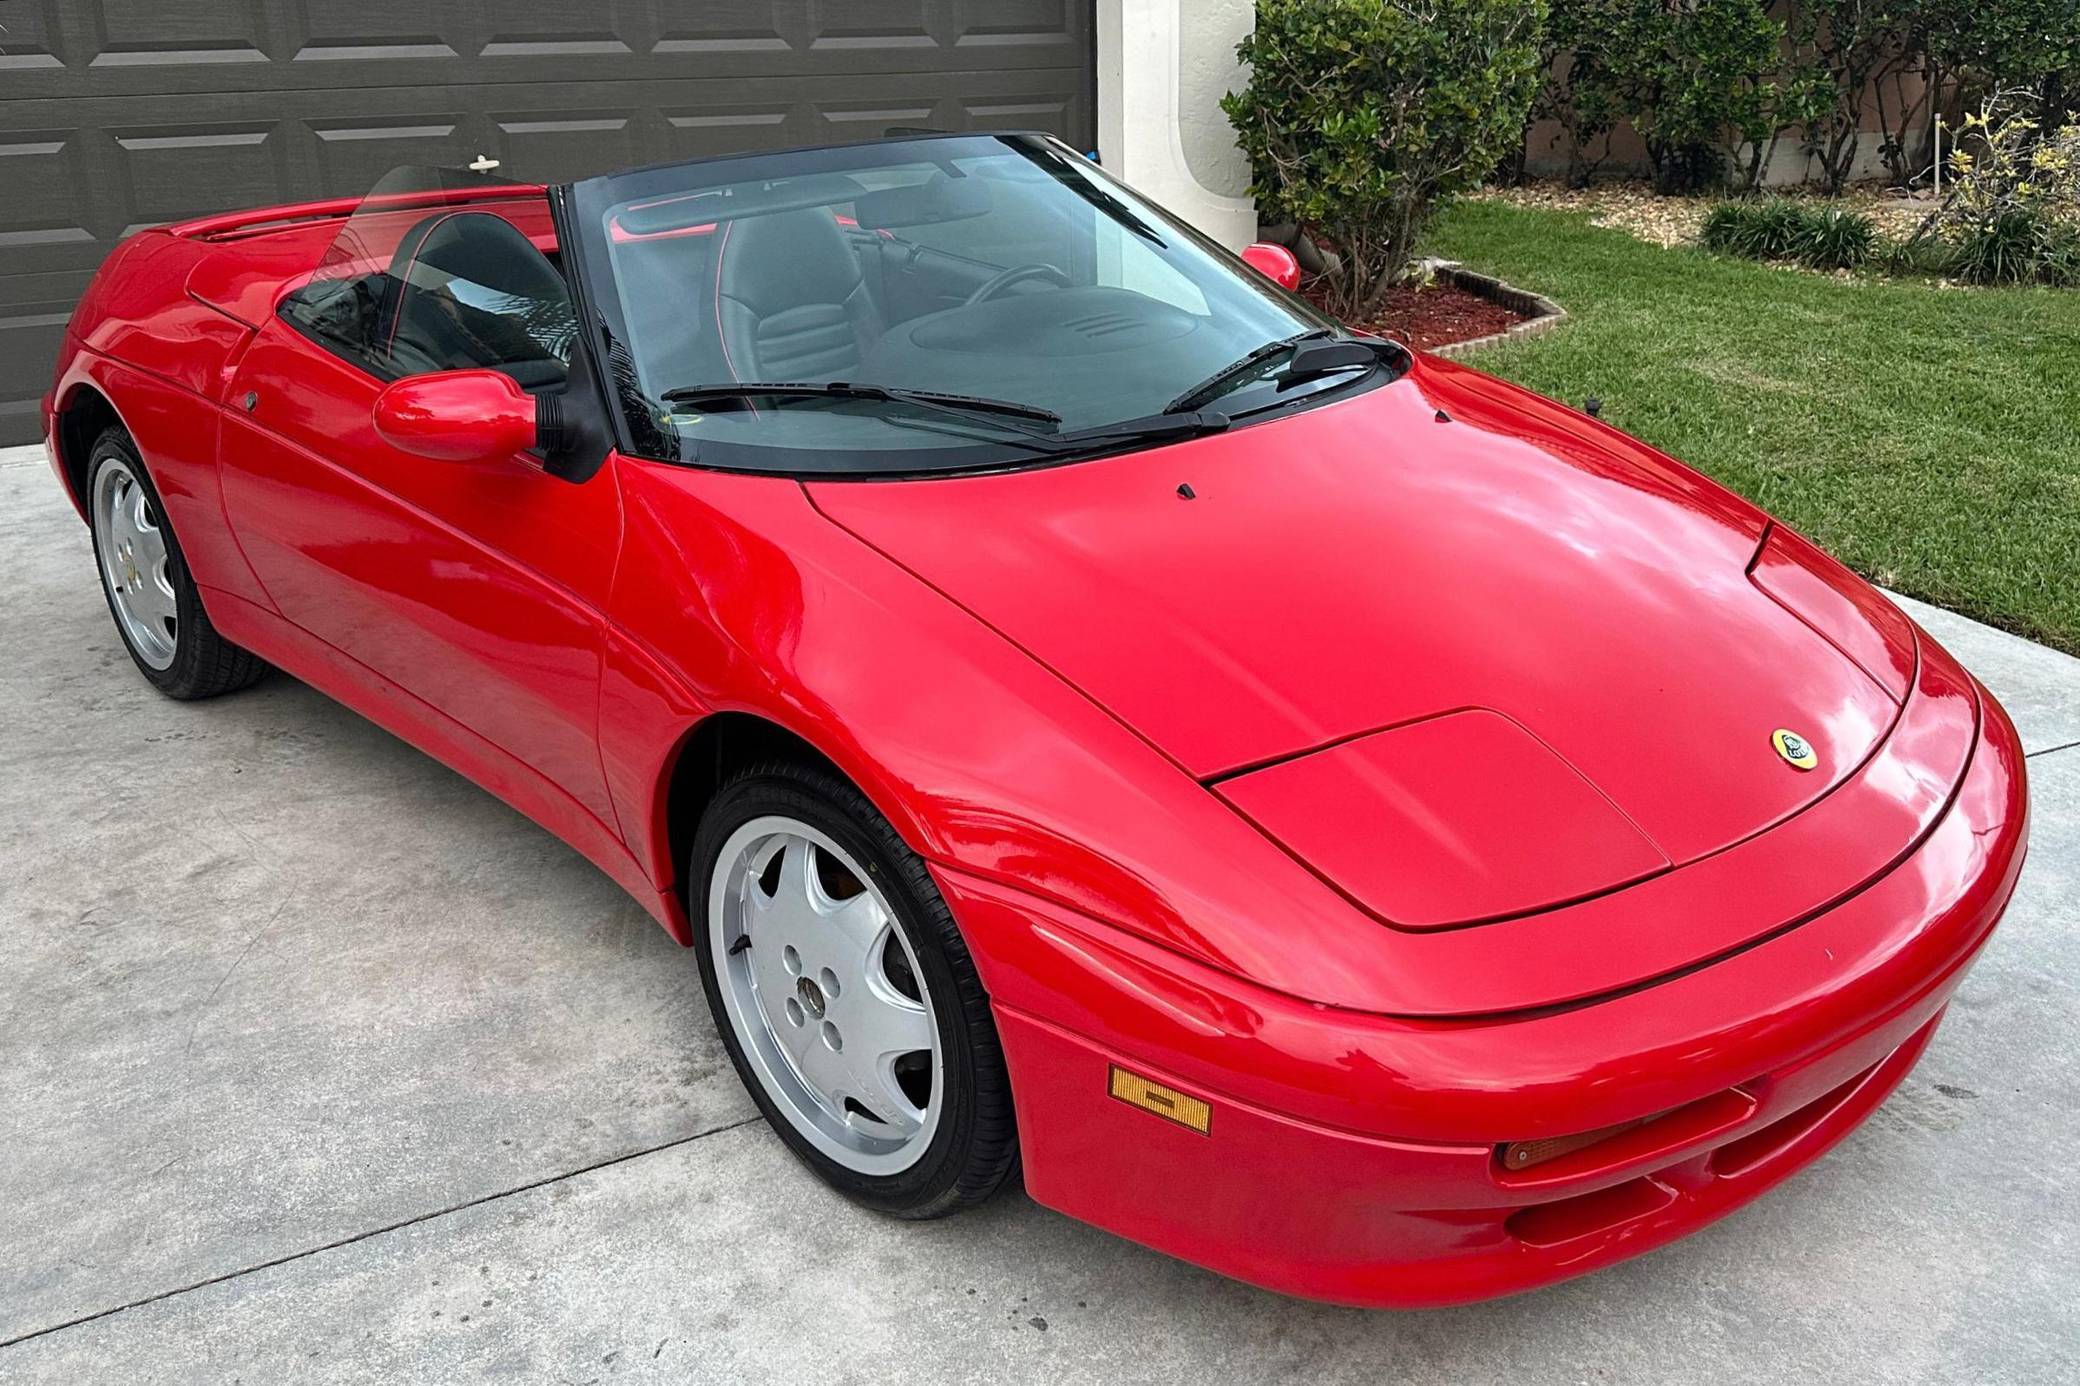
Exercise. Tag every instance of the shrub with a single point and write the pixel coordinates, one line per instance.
(1913, 257)
(2005, 46)
(1693, 80)
(1697, 78)
(1767, 230)
(1781, 229)
(1837, 238)
(1362, 116)
(2014, 247)
(1581, 94)
(2013, 211)
(1848, 49)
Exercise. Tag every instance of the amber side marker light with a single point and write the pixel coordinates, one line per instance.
(1167, 1103)
(1524, 1154)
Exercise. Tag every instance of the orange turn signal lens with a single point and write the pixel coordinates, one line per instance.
(1166, 1102)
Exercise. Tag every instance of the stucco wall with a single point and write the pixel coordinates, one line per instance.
(1163, 66)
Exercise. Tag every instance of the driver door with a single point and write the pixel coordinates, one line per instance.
(475, 587)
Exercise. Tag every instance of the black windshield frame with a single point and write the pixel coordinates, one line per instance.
(581, 209)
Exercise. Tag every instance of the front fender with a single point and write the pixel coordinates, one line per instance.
(735, 594)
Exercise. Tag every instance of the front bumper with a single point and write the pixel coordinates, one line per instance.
(1353, 1158)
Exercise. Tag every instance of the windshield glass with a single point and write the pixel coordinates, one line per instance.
(1004, 270)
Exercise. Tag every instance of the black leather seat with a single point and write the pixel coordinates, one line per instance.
(470, 289)
(790, 303)
(667, 286)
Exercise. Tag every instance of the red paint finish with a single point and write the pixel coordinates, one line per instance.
(1274, 262)
(1305, 596)
(1395, 820)
(1845, 610)
(1216, 790)
(1370, 1143)
(456, 416)
(477, 588)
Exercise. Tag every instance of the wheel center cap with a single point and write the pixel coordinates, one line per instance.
(811, 996)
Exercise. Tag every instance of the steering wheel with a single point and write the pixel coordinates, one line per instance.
(1017, 274)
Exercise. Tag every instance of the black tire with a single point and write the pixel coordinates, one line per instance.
(204, 663)
(974, 1150)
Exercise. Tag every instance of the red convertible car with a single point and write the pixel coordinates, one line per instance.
(1314, 808)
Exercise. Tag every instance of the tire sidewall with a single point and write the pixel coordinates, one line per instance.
(933, 1177)
(115, 446)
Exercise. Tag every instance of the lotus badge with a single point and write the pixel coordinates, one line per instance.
(1795, 749)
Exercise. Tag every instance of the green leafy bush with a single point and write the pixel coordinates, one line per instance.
(1699, 79)
(1837, 238)
(1581, 93)
(1766, 230)
(1693, 80)
(1704, 85)
(1851, 52)
(2013, 211)
(1362, 116)
(1912, 257)
(2003, 46)
(1780, 229)
(2014, 247)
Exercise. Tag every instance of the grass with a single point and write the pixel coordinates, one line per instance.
(1928, 436)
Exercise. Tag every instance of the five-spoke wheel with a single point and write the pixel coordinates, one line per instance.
(132, 550)
(825, 992)
(151, 594)
(845, 995)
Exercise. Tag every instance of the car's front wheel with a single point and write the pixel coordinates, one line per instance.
(846, 997)
(150, 594)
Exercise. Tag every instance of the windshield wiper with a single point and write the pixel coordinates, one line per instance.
(967, 413)
(1216, 384)
(958, 405)
(1152, 428)
(1315, 354)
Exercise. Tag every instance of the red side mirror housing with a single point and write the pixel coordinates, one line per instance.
(1274, 262)
(456, 416)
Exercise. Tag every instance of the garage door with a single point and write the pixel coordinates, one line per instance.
(117, 114)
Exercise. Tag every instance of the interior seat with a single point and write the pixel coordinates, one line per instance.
(790, 303)
(665, 284)
(469, 289)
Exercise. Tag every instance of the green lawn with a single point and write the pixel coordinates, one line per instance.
(1928, 436)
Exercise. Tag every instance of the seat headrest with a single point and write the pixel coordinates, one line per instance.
(478, 246)
(786, 260)
(432, 327)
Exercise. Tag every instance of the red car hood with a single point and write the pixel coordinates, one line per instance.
(1462, 667)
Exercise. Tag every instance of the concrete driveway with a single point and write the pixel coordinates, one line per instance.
(321, 1064)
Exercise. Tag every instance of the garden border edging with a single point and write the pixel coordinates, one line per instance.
(1541, 314)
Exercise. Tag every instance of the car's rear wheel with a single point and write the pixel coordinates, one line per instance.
(150, 594)
(846, 997)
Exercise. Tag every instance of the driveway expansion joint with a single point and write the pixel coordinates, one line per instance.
(372, 1232)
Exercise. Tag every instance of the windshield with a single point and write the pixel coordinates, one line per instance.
(1004, 277)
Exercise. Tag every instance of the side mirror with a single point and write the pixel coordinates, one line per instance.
(456, 416)
(1274, 262)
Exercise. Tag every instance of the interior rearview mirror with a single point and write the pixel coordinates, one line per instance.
(935, 200)
(456, 416)
(1274, 262)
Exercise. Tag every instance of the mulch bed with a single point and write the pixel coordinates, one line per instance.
(1433, 315)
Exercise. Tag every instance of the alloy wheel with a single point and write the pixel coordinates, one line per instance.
(131, 547)
(825, 995)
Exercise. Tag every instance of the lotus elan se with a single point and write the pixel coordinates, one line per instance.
(1308, 806)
